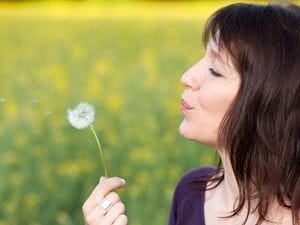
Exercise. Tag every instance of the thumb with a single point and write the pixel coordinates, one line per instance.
(102, 178)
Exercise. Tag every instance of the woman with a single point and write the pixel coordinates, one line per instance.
(243, 98)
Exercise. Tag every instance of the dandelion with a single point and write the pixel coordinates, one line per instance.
(83, 116)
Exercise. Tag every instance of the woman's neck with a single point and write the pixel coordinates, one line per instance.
(230, 194)
(230, 185)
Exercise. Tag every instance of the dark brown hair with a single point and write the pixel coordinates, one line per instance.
(261, 129)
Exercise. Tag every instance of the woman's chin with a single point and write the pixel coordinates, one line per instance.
(190, 133)
(184, 130)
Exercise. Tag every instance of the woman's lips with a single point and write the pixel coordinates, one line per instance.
(185, 106)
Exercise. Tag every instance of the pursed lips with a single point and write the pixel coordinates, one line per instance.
(185, 106)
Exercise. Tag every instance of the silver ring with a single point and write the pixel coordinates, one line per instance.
(104, 203)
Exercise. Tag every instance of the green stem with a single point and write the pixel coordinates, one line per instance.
(100, 150)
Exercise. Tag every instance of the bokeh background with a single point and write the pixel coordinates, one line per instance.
(125, 58)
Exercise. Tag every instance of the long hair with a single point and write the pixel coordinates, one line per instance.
(261, 129)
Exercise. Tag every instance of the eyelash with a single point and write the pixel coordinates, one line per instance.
(213, 72)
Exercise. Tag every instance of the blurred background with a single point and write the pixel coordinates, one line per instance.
(126, 59)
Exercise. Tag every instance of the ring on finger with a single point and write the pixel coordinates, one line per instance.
(104, 203)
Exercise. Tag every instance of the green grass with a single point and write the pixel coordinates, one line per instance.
(127, 67)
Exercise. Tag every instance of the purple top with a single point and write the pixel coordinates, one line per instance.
(188, 202)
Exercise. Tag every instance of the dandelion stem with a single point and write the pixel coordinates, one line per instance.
(100, 150)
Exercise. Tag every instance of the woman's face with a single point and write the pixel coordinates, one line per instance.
(210, 86)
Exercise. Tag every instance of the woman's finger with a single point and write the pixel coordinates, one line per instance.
(112, 198)
(101, 190)
(106, 187)
(113, 213)
(121, 220)
(106, 216)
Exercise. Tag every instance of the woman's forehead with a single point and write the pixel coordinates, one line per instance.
(213, 45)
(217, 52)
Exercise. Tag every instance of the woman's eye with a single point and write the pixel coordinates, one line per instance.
(213, 72)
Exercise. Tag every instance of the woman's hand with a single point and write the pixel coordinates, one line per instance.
(103, 206)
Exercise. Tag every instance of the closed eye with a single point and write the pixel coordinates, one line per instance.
(213, 72)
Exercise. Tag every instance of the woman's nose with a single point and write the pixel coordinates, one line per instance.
(190, 78)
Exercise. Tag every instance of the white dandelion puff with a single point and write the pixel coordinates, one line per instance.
(82, 116)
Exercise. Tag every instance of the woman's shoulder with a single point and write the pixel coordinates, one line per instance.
(188, 199)
(195, 174)
(193, 177)
(206, 170)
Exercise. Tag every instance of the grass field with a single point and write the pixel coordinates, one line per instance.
(124, 59)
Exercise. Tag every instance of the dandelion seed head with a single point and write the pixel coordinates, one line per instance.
(82, 115)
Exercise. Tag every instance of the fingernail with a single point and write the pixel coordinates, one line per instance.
(123, 181)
